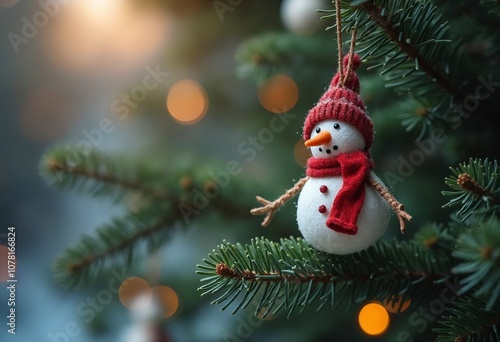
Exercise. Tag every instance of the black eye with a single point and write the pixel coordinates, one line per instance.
(336, 126)
(318, 130)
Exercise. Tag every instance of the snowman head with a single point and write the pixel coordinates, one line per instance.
(341, 105)
(329, 138)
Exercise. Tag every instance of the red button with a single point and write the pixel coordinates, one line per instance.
(322, 209)
(323, 189)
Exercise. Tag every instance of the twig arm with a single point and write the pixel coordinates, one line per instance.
(270, 208)
(396, 206)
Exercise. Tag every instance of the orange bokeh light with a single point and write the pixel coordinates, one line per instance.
(167, 298)
(133, 288)
(397, 306)
(373, 319)
(279, 94)
(187, 102)
(301, 153)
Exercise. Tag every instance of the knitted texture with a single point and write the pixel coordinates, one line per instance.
(342, 102)
(354, 168)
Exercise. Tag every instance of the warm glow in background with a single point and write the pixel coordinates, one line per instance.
(279, 94)
(187, 102)
(373, 319)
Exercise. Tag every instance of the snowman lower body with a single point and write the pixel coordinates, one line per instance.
(372, 219)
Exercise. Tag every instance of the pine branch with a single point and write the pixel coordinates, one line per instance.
(93, 172)
(116, 243)
(436, 238)
(479, 252)
(264, 56)
(468, 321)
(475, 187)
(410, 45)
(292, 275)
(403, 42)
(166, 202)
(418, 114)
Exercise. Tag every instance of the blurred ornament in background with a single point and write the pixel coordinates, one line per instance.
(105, 39)
(187, 102)
(279, 94)
(8, 3)
(47, 115)
(147, 320)
(301, 16)
(135, 293)
(146, 333)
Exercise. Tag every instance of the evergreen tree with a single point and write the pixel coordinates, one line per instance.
(431, 67)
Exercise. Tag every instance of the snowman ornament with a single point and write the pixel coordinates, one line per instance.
(343, 207)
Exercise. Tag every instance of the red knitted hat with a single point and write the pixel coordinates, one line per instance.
(342, 102)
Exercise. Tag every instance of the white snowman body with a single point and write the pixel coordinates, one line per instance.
(319, 194)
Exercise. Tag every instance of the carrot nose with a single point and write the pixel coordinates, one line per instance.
(320, 139)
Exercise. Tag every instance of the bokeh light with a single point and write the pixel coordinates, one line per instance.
(187, 102)
(133, 288)
(8, 3)
(103, 39)
(301, 153)
(4, 252)
(168, 299)
(47, 115)
(279, 94)
(99, 12)
(397, 306)
(373, 319)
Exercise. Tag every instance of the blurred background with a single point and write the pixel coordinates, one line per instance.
(172, 80)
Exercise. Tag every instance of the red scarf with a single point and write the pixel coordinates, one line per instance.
(354, 168)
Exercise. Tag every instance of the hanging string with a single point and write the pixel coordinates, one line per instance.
(339, 42)
(351, 54)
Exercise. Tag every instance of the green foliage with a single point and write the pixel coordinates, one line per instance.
(468, 321)
(435, 237)
(260, 58)
(116, 244)
(475, 187)
(419, 115)
(156, 205)
(291, 275)
(410, 45)
(479, 252)
(69, 167)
